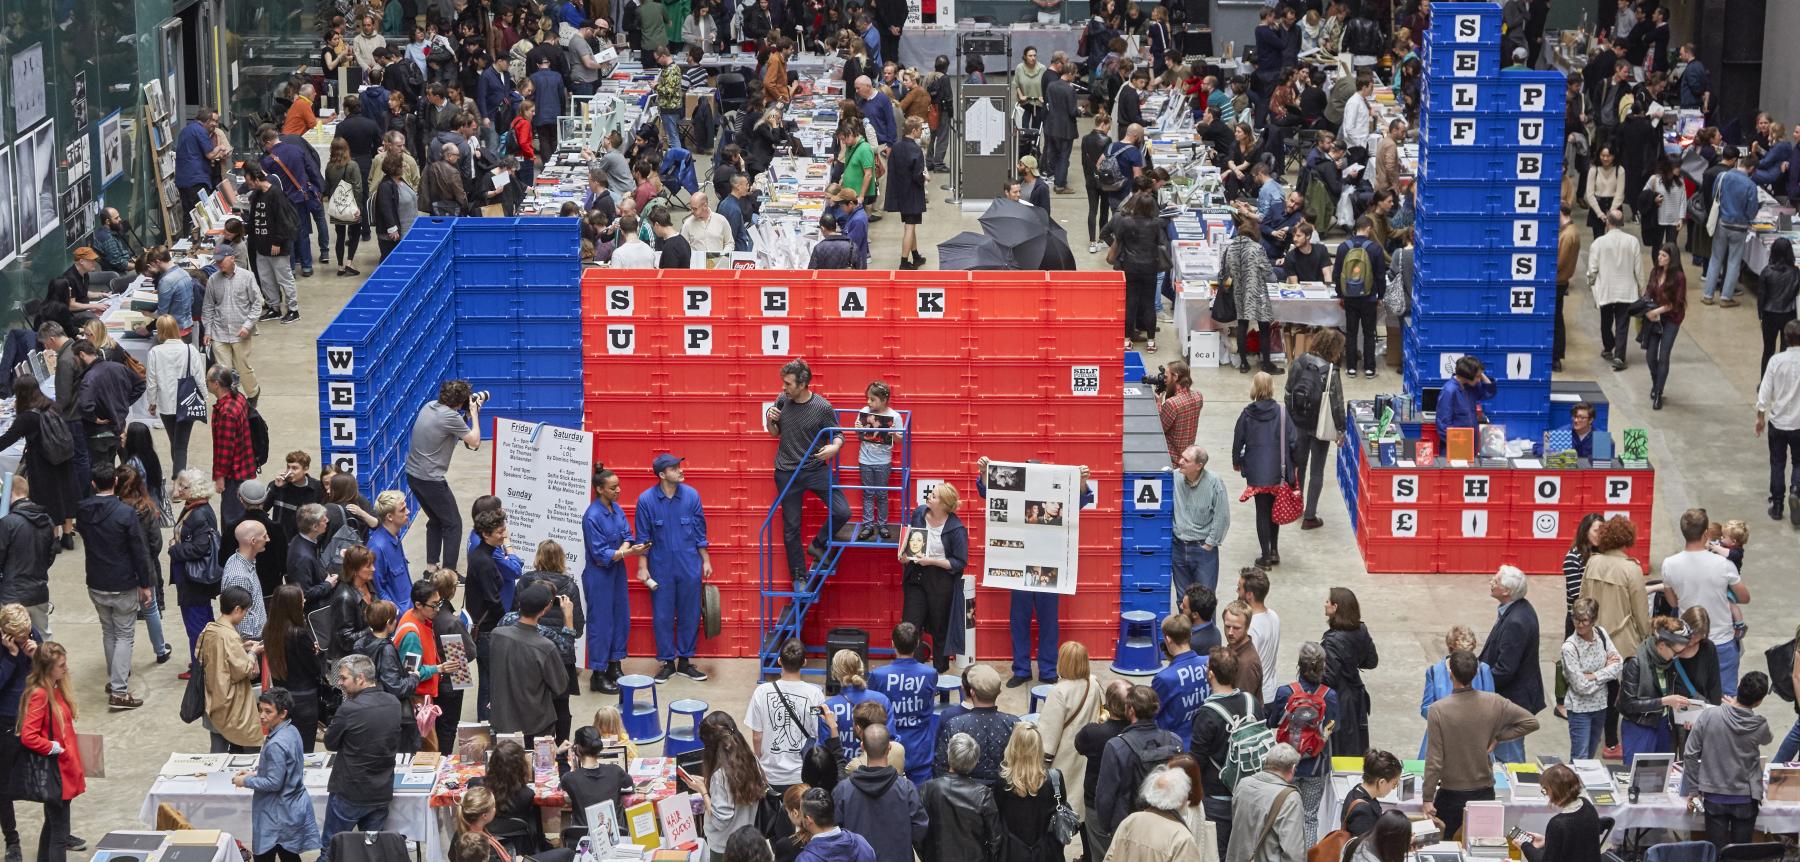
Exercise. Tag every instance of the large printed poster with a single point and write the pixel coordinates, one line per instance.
(542, 474)
(1033, 540)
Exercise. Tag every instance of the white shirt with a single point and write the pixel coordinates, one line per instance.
(1616, 268)
(634, 254)
(1358, 122)
(1265, 635)
(783, 741)
(164, 367)
(712, 234)
(1700, 578)
(1778, 396)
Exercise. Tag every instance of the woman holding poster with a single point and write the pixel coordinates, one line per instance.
(933, 580)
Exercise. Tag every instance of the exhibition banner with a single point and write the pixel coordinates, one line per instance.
(1033, 536)
(542, 475)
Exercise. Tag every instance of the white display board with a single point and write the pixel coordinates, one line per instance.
(1033, 536)
(542, 475)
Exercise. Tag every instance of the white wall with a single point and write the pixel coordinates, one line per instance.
(1781, 63)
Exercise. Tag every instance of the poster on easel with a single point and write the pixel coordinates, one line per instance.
(1033, 537)
(543, 473)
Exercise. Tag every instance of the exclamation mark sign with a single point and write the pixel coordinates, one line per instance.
(775, 341)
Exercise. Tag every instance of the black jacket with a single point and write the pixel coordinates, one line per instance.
(365, 733)
(1140, 240)
(271, 564)
(306, 571)
(1256, 450)
(591, 785)
(349, 620)
(482, 586)
(1511, 651)
(1093, 147)
(1090, 742)
(27, 536)
(196, 531)
(116, 558)
(387, 205)
(834, 252)
(1130, 111)
(1059, 110)
(906, 178)
(963, 821)
(388, 672)
(273, 222)
(1571, 836)
(107, 392)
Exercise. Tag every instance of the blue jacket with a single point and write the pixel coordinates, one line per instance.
(872, 40)
(299, 180)
(1456, 405)
(882, 807)
(1318, 765)
(549, 98)
(910, 687)
(1438, 686)
(571, 14)
(375, 105)
(1182, 688)
(676, 528)
(175, 296)
(856, 227)
(117, 558)
(880, 111)
(740, 227)
(191, 147)
(838, 846)
(392, 580)
(843, 705)
(603, 529)
(492, 92)
(1693, 84)
(280, 810)
(1736, 194)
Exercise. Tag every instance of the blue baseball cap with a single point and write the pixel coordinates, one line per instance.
(664, 462)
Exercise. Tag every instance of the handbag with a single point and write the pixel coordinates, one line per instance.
(1065, 824)
(35, 777)
(342, 208)
(190, 402)
(1288, 504)
(425, 715)
(1224, 305)
(193, 697)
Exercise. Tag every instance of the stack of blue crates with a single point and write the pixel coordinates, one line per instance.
(431, 312)
(1147, 512)
(1490, 174)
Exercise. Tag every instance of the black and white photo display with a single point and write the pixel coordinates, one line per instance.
(1032, 541)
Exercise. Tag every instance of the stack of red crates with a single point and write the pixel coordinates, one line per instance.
(685, 361)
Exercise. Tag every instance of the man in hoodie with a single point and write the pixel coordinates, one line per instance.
(303, 186)
(108, 389)
(828, 841)
(118, 578)
(273, 224)
(870, 802)
(27, 545)
(1723, 774)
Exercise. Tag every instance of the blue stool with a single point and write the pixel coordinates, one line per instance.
(948, 685)
(642, 723)
(1137, 652)
(1038, 693)
(684, 736)
(1030, 716)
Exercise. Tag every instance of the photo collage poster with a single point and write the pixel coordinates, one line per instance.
(1033, 540)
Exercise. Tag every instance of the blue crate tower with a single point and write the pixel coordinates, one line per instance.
(494, 301)
(1489, 183)
(1146, 510)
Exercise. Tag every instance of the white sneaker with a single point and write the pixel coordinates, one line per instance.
(1093, 248)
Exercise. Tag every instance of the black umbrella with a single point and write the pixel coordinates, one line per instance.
(1057, 254)
(1019, 227)
(970, 250)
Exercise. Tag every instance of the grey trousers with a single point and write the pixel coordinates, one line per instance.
(118, 628)
(275, 273)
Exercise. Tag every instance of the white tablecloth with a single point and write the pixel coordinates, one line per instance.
(213, 803)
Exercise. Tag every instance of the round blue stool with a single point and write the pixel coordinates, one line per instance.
(637, 703)
(684, 736)
(947, 685)
(1030, 716)
(1137, 652)
(1038, 693)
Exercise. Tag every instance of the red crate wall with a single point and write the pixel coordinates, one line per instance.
(990, 377)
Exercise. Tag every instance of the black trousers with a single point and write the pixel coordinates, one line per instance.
(278, 853)
(1771, 333)
(305, 716)
(53, 841)
(1729, 824)
(1268, 533)
(1560, 338)
(1243, 340)
(1615, 328)
(444, 526)
(1140, 304)
(449, 700)
(1450, 806)
(1782, 443)
(926, 600)
(1218, 812)
(1098, 208)
(1360, 316)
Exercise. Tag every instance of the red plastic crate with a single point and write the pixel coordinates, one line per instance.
(1078, 415)
(1399, 556)
(935, 375)
(1078, 339)
(682, 416)
(1088, 296)
(832, 341)
(997, 299)
(1009, 340)
(1390, 485)
(618, 413)
(1459, 556)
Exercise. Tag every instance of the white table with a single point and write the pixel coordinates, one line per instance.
(213, 803)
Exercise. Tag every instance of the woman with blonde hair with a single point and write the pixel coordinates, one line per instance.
(473, 814)
(1073, 704)
(47, 727)
(1027, 799)
(194, 549)
(170, 360)
(19, 641)
(848, 669)
(610, 722)
(1438, 684)
(932, 581)
(94, 330)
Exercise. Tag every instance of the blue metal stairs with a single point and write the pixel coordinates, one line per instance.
(782, 604)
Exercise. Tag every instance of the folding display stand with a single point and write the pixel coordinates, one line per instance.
(986, 143)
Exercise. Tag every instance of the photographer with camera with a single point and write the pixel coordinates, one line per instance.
(435, 433)
(1178, 405)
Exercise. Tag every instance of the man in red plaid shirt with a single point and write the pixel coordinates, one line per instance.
(1179, 406)
(233, 458)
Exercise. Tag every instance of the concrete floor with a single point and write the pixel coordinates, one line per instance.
(1702, 445)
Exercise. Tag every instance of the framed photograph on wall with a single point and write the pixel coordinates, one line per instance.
(28, 101)
(112, 149)
(153, 96)
(9, 237)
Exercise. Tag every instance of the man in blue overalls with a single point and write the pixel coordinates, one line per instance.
(1027, 604)
(910, 687)
(606, 539)
(1182, 684)
(671, 523)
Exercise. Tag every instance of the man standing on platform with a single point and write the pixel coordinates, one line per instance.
(671, 522)
(1202, 517)
(436, 430)
(606, 540)
(797, 418)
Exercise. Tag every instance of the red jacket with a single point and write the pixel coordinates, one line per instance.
(33, 735)
(521, 129)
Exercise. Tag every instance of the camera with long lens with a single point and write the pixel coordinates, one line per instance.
(1159, 381)
(478, 398)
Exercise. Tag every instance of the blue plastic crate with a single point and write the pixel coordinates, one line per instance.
(558, 418)
(551, 365)
(1480, 264)
(1432, 365)
(1495, 164)
(517, 237)
(484, 302)
(498, 333)
(550, 395)
(552, 273)
(547, 302)
(492, 273)
(1439, 297)
(1499, 233)
(1461, 60)
(1444, 129)
(1135, 482)
(1489, 197)
(1510, 93)
(1493, 331)
(488, 362)
(1149, 599)
(1477, 23)
(551, 334)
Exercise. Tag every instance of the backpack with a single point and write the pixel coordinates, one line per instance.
(54, 444)
(1306, 393)
(1303, 722)
(1248, 739)
(1107, 170)
(259, 436)
(1148, 751)
(1357, 273)
(342, 540)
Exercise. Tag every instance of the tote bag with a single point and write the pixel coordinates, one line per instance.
(190, 402)
(342, 208)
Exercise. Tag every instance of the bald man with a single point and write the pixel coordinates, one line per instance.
(240, 571)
